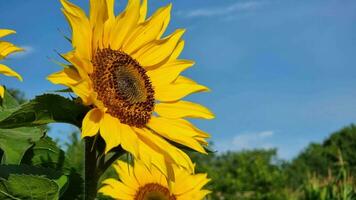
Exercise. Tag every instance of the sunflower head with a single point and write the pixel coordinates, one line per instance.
(7, 48)
(140, 183)
(129, 74)
(123, 86)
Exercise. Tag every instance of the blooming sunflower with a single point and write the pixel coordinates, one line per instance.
(129, 74)
(6, 48)
(140, 183)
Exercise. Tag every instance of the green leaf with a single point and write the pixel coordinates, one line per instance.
(44, 153)
(15, 142)
(8, 101)
(44, 109)
(8, 105)
(28, 182)
(74, 189)
(23, 187)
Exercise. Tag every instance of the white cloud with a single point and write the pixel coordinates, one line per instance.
(222, 11)
(250, 140)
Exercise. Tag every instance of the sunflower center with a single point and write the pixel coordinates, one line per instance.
(123, 87)
(153, 191)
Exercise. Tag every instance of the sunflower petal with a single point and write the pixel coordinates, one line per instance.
(6, 32)
(151, 156)
(177, 91)
(91, 122)
(148, 31)
(81, 29)
(9, 72)
(125, 23)
(125, 172)
(165, 147)
(157, 51)
(116, 189)
(67, 77)
(2, 91)
(177, 51)
(98, 16)
(6, 48)
(182, 109)
(110, 130)
(177, 131)
(129, 140)
(168, 73)
(143, 11)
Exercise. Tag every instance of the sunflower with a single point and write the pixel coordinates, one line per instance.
(129, 74)
(140, 183)
(6, 48)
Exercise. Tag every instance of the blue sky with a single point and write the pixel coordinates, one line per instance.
(282, 72)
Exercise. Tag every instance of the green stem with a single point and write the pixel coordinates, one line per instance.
(109, 161)
(96, 163)
(91, 172)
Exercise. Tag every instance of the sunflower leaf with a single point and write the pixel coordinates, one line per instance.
(15, 142)
(44, 109)
(28, 182)
(8, 104)
(44, 153)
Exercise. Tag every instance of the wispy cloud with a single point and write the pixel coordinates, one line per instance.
(252, 140)
(222, 11)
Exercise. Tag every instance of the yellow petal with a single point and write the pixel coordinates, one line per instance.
(110, 8)
(143, 11)
(98, 16)
(116, 189)
(7, 48)
(91, 122)
(110, 130)
(125, 172)
(177, 51)
(177, 91)
(151, 156)
(2, 91)
(124, 24)
(165, 147)
(84, 91)
(142, 174)
(81, 29)
(183, 109)
(129, 140)
(169, 72)
(157, 51)
(196, 182)
(177, 131)
(149, 30)
(67, 77)
(9, 72)
(5, 32)
(82, 65)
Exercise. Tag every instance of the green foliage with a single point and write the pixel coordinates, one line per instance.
(255, 174)
(320, 158)
(44, 109)
(340, 187)
(18, 95)
(28, 187)
(45, 153)
(40, 170)
(28, 182)
(14, 142)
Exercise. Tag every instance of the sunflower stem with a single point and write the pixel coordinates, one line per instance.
(109, 161)
(91, 171)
